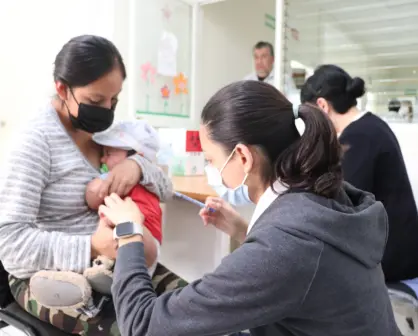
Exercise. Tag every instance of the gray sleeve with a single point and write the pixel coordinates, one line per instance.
(260, 283)
(24, 248)
(154, 179)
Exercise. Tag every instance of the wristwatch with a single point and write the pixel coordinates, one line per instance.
(127, 229)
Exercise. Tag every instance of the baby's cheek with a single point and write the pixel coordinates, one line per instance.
(111, 162)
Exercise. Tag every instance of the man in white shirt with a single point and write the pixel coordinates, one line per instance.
(263, 53)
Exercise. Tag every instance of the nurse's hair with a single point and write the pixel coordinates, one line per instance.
(335, 85)
(256, 114)
(86, 58)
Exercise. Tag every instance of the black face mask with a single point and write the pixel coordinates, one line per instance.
(92, 118)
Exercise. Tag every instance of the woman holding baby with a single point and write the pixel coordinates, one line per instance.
(45, 223)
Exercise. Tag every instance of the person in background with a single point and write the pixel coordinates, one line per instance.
(372, 162)
(45, 223)
(301, 268)
(410, 112)
(263, 53)
(394, 106)
(406, 111)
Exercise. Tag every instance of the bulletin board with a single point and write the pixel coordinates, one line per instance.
(163, 58)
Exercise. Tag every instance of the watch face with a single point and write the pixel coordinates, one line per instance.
(124, 229)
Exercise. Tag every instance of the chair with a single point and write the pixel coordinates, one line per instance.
(12, 315)
(405, 307)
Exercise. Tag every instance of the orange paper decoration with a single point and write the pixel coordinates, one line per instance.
(165, 92)
(180, 84)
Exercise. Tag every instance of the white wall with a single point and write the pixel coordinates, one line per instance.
(31, 34)
(30, 42)
(229, 31)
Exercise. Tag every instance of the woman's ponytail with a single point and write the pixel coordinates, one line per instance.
(312, 163)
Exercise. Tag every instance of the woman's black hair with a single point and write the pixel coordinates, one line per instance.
(257, 114)
(86, 58)
(334, 85)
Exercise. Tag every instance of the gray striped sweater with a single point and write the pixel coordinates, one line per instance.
(44, 220)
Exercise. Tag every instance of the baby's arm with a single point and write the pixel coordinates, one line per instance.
(92, 196)
(94, 201)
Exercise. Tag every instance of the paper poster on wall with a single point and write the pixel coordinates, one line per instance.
(180, 84)
(167, 55)
(180, 88)
(148, 76)
(295, 34)
(166, 11)
(193, 141)
(165, 95)
(163, 55)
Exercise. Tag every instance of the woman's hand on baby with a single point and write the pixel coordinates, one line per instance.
(121, 179)
(118, 210)
(225, 218)
(103, 242)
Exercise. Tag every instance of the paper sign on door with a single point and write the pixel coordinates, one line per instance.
(167, 55)
(193, 142)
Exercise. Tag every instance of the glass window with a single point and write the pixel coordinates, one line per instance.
(375, 40)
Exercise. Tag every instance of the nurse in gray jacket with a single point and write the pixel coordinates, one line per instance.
(309, 262)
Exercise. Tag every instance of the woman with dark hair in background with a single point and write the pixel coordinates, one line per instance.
(301, 269)
(45, 223)
(372, 161)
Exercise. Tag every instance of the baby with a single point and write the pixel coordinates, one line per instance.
(123, 139)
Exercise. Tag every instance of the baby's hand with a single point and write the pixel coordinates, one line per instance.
(104, 220)
(92, 194)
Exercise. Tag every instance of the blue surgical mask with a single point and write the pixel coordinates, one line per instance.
(238, 196)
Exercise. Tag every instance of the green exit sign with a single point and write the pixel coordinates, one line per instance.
(270, 21)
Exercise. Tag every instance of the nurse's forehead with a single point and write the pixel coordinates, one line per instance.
(209, 147)
(203, 136)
